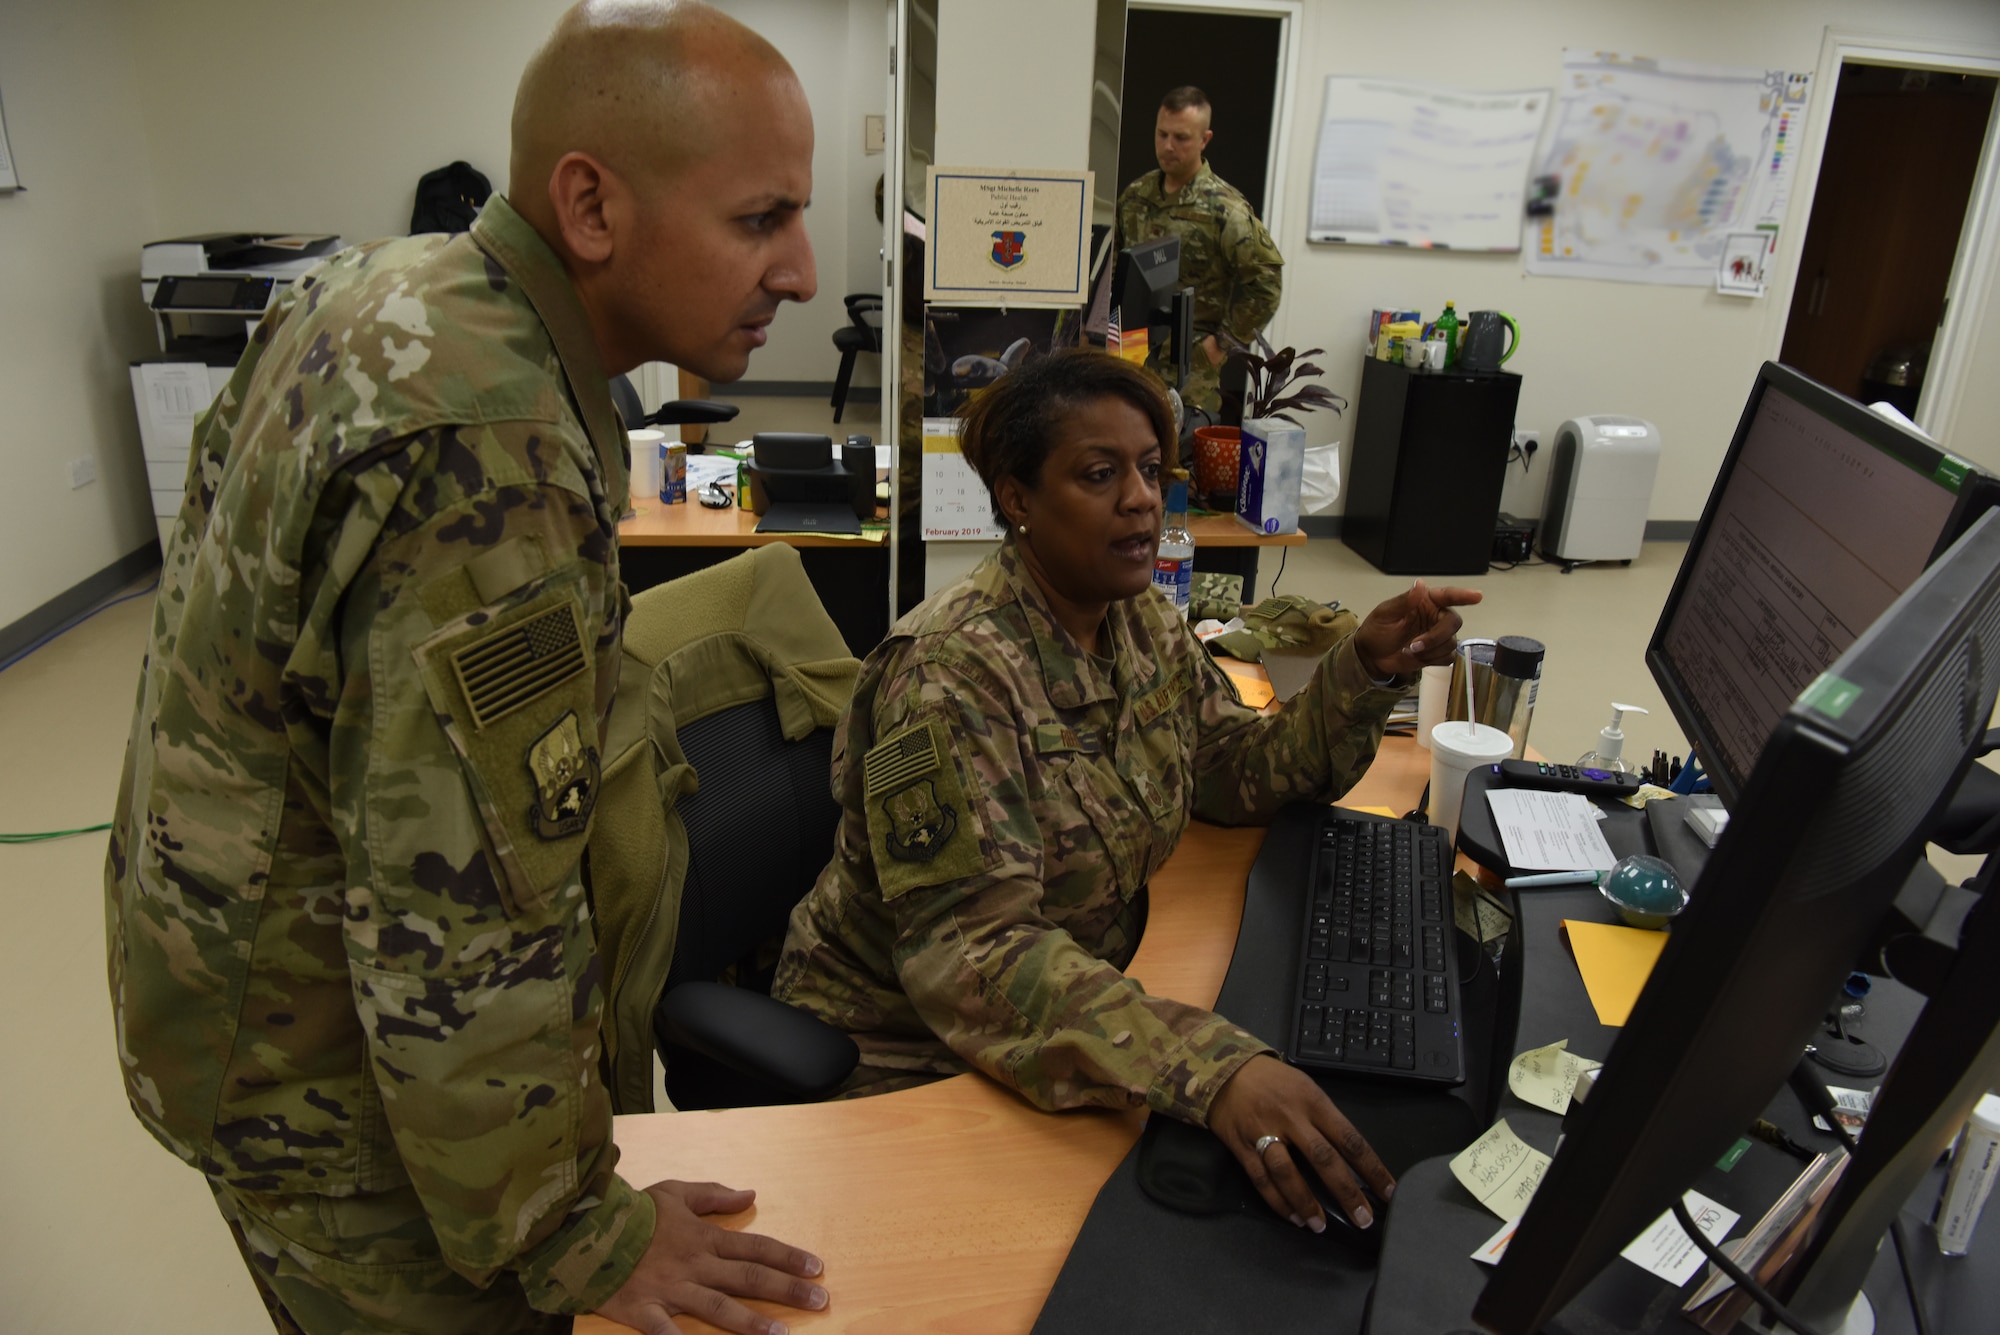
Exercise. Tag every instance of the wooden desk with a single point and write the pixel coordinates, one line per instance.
(851, 575)
(951, 1207)
(1225, 546)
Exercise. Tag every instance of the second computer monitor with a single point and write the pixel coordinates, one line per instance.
(1822, 513)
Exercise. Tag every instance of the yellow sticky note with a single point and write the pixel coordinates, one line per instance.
(1501, 1170)
(1615, 963)
(1546, 1077)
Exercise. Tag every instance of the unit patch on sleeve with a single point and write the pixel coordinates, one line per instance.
(922, 829)
(566, 774)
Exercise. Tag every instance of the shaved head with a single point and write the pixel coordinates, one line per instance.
(664, 151)
(642, 86)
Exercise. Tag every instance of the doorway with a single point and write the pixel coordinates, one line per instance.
(1234, 58)
(1903, 149)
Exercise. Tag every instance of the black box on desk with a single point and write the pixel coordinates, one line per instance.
(800, 468)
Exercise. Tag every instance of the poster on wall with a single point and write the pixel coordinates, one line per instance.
(1410, 164)
(956, 507)
(1659, 162)
(1004, 237)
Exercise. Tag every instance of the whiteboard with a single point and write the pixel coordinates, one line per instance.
(1660, 161)
(956, 506)
(1410, 164)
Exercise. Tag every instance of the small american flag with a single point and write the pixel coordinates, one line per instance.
(902, 758)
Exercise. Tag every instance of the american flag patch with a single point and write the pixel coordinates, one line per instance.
(908, 755)
(519, 664)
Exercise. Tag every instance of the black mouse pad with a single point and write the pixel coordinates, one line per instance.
(1217, 1258)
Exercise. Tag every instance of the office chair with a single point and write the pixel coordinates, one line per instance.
(760, 828)
(674, 412)
(862, 334)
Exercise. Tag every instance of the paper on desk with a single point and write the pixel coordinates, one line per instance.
(1490, 1251)
(1253, 688)
(1475, 911)
(1666, 1250)
(1501, 1170)
(1547, 1076)
(1549, 831)
(703, 469)
(1615, 963)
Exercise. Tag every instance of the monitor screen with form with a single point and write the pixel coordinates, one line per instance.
(1822, 515)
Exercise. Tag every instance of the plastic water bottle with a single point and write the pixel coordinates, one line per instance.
(1173, 568)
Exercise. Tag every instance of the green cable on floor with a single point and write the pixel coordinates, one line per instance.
(47, 835)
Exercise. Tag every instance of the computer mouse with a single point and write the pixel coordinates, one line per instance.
(1344, 1230)
(715, 497)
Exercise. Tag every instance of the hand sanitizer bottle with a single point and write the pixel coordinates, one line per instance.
(1610, 753)
(1173, 568)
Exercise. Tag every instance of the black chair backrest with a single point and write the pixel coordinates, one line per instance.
(760, 830)
(625, 398)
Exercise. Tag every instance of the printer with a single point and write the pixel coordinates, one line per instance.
(206, 294)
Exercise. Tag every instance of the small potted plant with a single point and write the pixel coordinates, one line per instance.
(1270, 389)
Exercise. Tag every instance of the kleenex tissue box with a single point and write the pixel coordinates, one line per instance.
(1267, 484)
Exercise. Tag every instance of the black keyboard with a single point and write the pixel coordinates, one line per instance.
(1378, 974)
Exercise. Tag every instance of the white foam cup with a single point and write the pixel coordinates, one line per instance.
(1456, 750)
(646, 463)
(1433, 690)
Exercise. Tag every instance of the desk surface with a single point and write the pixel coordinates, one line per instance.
(653, 524)
(952, 1207)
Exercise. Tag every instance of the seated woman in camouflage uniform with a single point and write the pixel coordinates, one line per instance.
(1021, 755)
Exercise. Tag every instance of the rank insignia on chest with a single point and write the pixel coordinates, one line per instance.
(1009, 248)
(566, 774)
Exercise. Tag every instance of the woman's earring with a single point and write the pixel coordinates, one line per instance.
(1024, 530)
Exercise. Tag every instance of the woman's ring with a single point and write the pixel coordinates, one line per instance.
(1265, 1143)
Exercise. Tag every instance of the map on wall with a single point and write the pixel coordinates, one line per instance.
(1659, 161)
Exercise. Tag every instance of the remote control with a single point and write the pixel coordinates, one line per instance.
(1567, 778)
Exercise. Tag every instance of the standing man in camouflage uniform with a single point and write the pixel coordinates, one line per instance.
(351, 953)
(1226, 255)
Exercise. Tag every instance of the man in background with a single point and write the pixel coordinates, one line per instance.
(352, 957)
(1227, 256)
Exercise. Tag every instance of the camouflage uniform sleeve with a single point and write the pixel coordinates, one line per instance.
(1313, 749)
(463, 754)
(1257, 271)
(958, 843)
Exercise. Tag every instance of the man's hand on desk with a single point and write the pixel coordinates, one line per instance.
(1412, 631)
(693, 1266)
(1268, 1098)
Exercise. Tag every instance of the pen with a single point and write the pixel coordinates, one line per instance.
(1554, 878)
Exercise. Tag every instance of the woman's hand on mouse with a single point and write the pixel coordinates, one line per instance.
(1268, 1098)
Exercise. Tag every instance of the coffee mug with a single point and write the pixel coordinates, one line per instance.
(1482, 350)
(1413, 354)
(1434, 354)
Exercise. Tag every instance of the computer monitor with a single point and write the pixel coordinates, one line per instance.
(1832, 817)
(1144, 284)
(1822, 513)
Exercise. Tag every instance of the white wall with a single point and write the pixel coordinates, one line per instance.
(70, 316)
(1038, 118)
(1682, 358)
(326, 117)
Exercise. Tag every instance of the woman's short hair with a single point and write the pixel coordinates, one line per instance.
(1009, 429)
